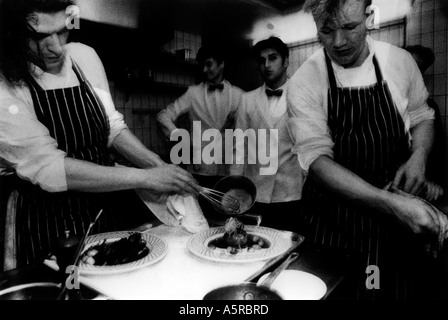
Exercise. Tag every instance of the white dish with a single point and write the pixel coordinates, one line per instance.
(158, 249)
(298, 285)
(280, 241)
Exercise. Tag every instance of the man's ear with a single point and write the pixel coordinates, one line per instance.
(286, 63)
(372, 17)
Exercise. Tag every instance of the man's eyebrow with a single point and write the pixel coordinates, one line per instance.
(46, 34)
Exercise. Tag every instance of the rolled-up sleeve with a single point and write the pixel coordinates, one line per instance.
(92, 66)
(307, 122)
(27, 147)
(116, 119)
(418, 109)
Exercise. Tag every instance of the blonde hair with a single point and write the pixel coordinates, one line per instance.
(324, 9)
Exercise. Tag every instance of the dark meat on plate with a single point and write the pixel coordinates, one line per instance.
(235, 235)
(118, 252)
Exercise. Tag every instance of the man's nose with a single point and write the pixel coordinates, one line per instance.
(55, 45)
(339, 39)
(266, 65)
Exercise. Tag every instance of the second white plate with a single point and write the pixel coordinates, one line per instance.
(280, 241)
(158, 249)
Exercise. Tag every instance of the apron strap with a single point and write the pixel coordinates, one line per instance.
(331, 76)
(83, 80)
(79, 74)
(33, 83)
(379, 74)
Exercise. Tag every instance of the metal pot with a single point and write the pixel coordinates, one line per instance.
(243, 291)
(237, 182)
(32, 291)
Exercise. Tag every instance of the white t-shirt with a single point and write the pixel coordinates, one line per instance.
(25, 143)
(308, 95)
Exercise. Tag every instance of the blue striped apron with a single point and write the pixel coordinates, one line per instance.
(370, 140)
(77, 120)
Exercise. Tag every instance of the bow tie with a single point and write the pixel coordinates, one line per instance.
(213, 87)
(275, 93)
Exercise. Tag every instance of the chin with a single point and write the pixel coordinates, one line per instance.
(345, 61)
(54, 67)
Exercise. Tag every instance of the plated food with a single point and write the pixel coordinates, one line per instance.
(237, 243)
(236, 239)
(121, 251)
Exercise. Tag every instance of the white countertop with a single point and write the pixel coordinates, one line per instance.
(180, 275)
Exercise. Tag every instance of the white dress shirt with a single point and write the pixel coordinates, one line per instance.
(260, 112)
(214, 109)
(25, 143)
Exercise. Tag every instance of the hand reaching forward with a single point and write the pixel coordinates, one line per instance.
(170, 179)
(410, 177)
(420, 217)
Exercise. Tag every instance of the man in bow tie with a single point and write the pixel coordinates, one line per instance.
(213, 103)
(278, 195)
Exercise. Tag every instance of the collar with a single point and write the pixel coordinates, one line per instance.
(282, 87)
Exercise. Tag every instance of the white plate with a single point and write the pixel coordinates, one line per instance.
(280, 241)
(158, 249)
(298, 285)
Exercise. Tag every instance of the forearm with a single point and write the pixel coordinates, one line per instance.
(423, 138)
(166, 122)
(89, 177)
(133, 150)
(413, 213)
(345, 184)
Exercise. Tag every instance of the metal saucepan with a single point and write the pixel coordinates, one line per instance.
(250, 290)
(32, 291)
(240, 187)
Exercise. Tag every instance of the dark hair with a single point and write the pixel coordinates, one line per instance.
(323, 9)
(210, 51)
(426, 56)
(271, 43)
(15, 54)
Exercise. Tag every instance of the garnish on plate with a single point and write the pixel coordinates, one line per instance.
(236, 239)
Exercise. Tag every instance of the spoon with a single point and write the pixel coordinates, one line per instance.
(78, 252)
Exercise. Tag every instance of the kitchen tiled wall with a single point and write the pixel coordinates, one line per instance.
(427, 26)
(143, 124)
(140, 107)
